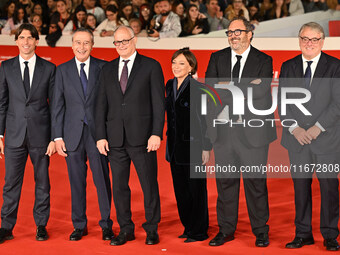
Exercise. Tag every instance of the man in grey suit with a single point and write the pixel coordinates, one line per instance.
(26, 87)
(73, 122)
(314, 143)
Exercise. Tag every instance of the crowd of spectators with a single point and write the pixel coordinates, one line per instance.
(153, 18)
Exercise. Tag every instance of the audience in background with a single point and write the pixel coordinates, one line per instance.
(52, 7)
(145, 15)
(104, 4)
(265, 6)
(41, 9)
(109, 25)
(136, 4)
(61, 16)
(7, 12)
(236, 10)
(78, 20)
(136, 26)
(178, 8)
(195, 22)
(254, 13)
(91, 22)
(13, 23)
(36, 20)
(91, 7)
(215, 16)
(295, 7)
(27, 4)
(314, 5)
(279, 10)
(125, 12)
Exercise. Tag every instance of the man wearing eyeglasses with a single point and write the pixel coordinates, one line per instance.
(237, 144)
(75, 93)
(129, 127)
(315, 140)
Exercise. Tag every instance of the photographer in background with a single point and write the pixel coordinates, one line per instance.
(167, 23)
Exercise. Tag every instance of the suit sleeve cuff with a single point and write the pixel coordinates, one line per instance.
(58, 138)
(319, 126)
(292, 128)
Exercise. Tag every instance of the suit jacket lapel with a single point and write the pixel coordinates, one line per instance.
(249, 65)
(18, 76)
(38, 73)
(114, 74)
(320, 70)
(75, 78)
(298, 68)
(225, 64)
(94, 69)
(134, 70)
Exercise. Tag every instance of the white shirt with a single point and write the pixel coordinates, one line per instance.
(31, 67)
(129, 64)
(98, 13)
(86, 67)
(242, 61)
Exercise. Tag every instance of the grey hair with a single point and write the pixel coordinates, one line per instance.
(124, 27)
(83, 29)
(314, 26)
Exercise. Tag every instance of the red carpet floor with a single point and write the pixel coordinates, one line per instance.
(281, 220)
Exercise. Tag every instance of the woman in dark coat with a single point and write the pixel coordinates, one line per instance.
(187, 146)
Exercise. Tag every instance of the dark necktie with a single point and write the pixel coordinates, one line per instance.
(124, 77)
(26, 79)
(308, 75)
(83, 80)
(236, 69)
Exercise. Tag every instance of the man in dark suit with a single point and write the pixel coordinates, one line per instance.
(237, 144)
(314, 143)
(26, 87)
(129, 127)
(75, 92)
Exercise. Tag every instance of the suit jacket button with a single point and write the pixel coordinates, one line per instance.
(123, 104)
(27, 104)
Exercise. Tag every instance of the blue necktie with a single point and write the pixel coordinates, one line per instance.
(83, 80)
(308, 75)
(26, 79)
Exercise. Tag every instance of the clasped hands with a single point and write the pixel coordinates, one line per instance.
(306, 136)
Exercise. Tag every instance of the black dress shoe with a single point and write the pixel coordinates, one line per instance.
(152, 238)
(220, 239)
(298, 242)
(190, 240)
(262, 240)
(5, 234)
(41, 234)
(77, 234)
(331, 244)
(107, 234)
(122, 238)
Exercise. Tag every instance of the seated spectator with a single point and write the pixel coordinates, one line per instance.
(194, 22)
(27, 4)
(167, 23)
(91, 22)
(136, 4)
(125, 11)
(279, 10)
(54, 34)
(156, 9)
(12, 24)
(178, 8)
(61, 16)
(136, 26)
(254, 12)
(215, 16)
(91, 7)
(201, 6)
(104, 4)
(7, 12)
(265, 6)
(236, 9)
(70, 6)
(40, 9)
(314, 5)
(109, 25)
(52, 7)
(78, 20)
(145, 15)
(295, 7)
(36, 21)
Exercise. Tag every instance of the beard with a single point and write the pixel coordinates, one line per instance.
(165, 13)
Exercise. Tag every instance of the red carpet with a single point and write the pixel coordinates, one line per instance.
(281, 220)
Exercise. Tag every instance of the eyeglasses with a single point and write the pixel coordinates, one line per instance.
(306, 40)
(236, 32)
(124, 42)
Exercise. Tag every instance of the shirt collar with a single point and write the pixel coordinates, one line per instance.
(30, 61)
(86, 62)
(244, 54)
(131, 58)
(315, 60)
